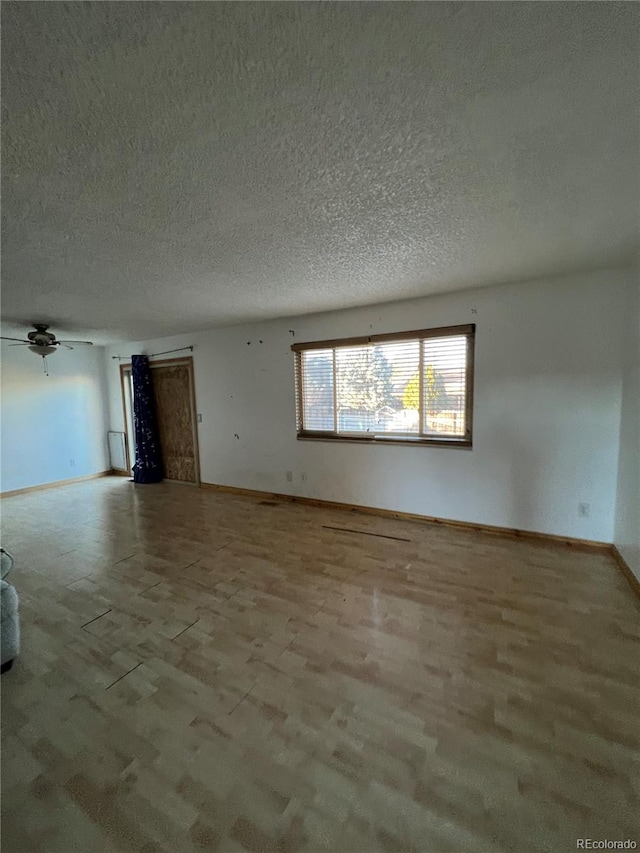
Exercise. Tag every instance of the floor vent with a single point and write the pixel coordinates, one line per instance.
(365, 533)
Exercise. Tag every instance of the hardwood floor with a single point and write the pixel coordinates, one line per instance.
(201, 671)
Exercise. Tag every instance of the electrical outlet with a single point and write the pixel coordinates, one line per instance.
(303, 476)
(72, 463)
(199, 418)
(289, 476)
(584, 510)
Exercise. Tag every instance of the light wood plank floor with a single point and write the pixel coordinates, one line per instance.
(205, 672)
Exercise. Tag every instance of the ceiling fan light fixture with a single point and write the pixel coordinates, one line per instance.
(42, 350)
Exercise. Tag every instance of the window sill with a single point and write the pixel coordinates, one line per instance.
(465, 443)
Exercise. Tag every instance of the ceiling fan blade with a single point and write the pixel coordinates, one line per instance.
(83, 343)
(66, 346)
(24, 344)
(22, 341)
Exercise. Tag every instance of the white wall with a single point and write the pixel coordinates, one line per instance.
(49, 420)
(627, 529)
(546, 421)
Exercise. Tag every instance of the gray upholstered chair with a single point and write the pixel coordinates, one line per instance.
(10, 620)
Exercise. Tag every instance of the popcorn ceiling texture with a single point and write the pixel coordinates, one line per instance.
(177, 166)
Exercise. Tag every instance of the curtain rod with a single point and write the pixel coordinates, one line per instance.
(153, 354)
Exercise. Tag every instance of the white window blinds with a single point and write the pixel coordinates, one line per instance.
(410, 387)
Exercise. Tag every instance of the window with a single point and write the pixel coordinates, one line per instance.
(411, 387)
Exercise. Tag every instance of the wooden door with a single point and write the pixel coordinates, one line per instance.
(173, 389)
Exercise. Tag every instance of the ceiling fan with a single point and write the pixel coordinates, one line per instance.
(44, 343)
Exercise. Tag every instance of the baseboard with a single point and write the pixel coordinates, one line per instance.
(54, 485)
(625, 568)
(119, 472)
(495, 530)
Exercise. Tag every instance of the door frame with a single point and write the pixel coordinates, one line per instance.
(125, 372)
(127, 414)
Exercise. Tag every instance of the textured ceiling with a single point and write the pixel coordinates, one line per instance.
(176, 166)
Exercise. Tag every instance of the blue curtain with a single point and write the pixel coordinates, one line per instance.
(148, 464)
